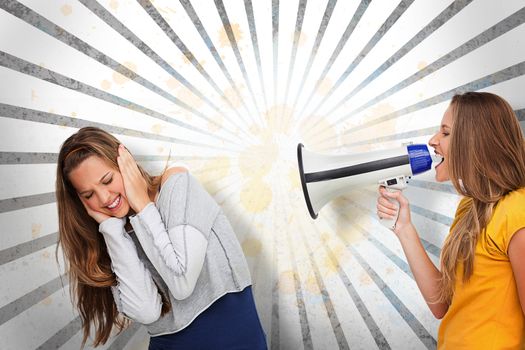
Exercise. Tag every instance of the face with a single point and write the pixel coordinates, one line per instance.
(440, 142)
(100, 187)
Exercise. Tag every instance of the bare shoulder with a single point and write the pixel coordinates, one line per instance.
(172, 171)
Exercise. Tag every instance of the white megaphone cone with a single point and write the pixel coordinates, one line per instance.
(325, 177)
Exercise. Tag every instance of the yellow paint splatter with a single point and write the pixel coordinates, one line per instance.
(311, 284)
(47, 301)
(113, 4)
(325, 86)
(231, 95)
(422, 65)
(286, 284)
(35, 230)
(303, 38)
(251, 247)
(223, 36)
(190, 98)
(279, 119)
(256, 196)
(46, 255)
(216, 123)
(323, 135)
(173, 84)
(105, 84)
(157, 128)
(294, 179)
(122, 79)
(66, 10)
(34, 96)
(215, 169)
(257, 160)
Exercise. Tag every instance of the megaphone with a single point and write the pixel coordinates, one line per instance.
(324, 177)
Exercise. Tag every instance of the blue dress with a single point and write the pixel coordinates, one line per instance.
(231, 322)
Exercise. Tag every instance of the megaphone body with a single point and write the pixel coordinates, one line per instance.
(324, 177)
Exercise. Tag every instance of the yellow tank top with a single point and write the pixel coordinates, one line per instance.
(485, 312)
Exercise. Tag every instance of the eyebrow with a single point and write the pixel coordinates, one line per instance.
(445, 126)
(102, 178)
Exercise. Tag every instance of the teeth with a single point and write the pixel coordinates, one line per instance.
(115, 203)
(436, 158)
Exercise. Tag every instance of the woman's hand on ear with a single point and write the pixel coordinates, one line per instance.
(134, 183)
(96, 215)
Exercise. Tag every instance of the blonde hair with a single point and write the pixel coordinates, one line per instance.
(486, 161)
(88, 264)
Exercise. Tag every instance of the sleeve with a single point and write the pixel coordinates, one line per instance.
(176, 242)
(135, 294)
(515, 220)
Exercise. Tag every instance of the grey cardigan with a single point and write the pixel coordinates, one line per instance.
(183, 247)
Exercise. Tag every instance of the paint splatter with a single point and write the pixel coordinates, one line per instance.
(122, 79)
(35, 230)
(256, 196)
(251, 247)
(66, 10)
(224, 41)
(105, 84)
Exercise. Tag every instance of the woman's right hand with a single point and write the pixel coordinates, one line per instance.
(387, 210)
(96, 215)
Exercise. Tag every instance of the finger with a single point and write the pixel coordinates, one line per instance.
(386, 203)
(386, 211)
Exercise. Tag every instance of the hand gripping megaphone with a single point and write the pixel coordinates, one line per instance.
(324, 177)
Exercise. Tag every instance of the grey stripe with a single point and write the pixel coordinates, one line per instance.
(21, 113)
(430, 28)
(27, 158)
(253, 33)
(520, 113)
(275, 40)
(36, 20)
(124, 338)
(114, 23)
(303, 316)
(227, 27)
(488, 80)
(342, 41)
(51, 158)
(429, 247)
(488, 35)
(433, 186)
(332, 316)
(414, 133)
(204, 35)
(62, 336)
(301, 8)
(420, 331)
(313, 53)
(26, 301)
(34, 200)
(26, 248)
(372, 326)
(385, 27)
(274, 323)
(50, 76)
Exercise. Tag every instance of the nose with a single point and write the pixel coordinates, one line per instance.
(104, 198)
(433, 142)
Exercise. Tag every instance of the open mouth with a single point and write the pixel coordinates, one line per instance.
(440, 159)
(115, 204)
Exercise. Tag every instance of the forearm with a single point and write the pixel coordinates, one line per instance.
(426, 274)
(177, 253)
(136, 294)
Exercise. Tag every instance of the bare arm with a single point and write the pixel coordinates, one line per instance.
(517, 260)
(425, 272)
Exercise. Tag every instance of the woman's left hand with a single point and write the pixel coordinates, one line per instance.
(134, 183)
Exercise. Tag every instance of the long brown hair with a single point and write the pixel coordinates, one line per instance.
(88, 264)
(486, 161)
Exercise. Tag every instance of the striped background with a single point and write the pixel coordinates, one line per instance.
(230, 87)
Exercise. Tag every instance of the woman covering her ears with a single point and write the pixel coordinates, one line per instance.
(156, 250)
(479, 292)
